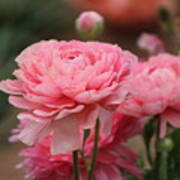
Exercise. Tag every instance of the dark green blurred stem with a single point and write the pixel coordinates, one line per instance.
(86, 134)
(149, 131)
(166, 20)
(161, 160)
(95, 151)
(82, 152)
(75, 165)
(163, 170)
(161, 166)
(169, 27)
(149, 158)
(84, 158)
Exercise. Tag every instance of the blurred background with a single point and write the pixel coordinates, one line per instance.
(23, 22)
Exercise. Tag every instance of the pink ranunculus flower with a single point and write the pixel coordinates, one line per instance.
(65, 86)
(112, 156)
(154, 90)
(151, 43)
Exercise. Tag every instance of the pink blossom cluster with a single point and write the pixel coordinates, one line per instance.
(65, 86)
(112, 156)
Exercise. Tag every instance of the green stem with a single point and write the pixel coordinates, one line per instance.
(161, 166)
(86, 134)
(84, 158)
(75, 165)
(161, 160)
(95, 150)
(149, 130)
(149, 158)
(163, 170)
(82, 153)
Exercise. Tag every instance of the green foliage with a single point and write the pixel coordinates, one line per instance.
(173, 160)
(170, 146)
(23, 22)
(148, 175)
(174, 157)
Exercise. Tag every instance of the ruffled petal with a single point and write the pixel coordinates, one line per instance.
(12, 87)
(115, 99)
(67, 112)
(21, 102)
(88, 116)
(106, 117)
(66, 135)
(130, 107)
(172, 117)
(92, 96)
(35, 132)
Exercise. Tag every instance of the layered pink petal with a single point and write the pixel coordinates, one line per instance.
(35, 132)
(106, 117)
(12, 87)
(172, 117)
(88, 116)
(66, 135)
(116, 98)
(66, 112)
(131, 107)
(91, 96)
(21, 102)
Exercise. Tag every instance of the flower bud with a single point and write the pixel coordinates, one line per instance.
(151, 43)
(166, 144)
(89, 25)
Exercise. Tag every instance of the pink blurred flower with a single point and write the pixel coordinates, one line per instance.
(65, 86)
(112, 156)
(151, 43)
(154, 90)
(88, 21)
